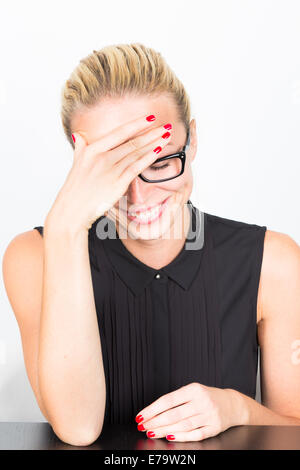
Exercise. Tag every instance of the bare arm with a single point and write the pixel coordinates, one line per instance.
(70, 366)
(22, 267)
(279, 336)
(279, 329)
(48, 283)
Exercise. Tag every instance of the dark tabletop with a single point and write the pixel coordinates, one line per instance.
(40, 436)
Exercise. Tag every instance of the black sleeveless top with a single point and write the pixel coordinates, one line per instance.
(193, 320)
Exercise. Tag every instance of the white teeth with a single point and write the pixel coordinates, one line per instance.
(147, 214)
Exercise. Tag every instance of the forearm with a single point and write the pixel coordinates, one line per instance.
(250, 412)
(70, 366)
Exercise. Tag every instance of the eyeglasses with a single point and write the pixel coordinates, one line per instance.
(172, 166)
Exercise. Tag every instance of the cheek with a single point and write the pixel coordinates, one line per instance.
(179, 184)
(188, 177)
(184, 183)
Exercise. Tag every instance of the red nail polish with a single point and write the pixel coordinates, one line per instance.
(139, 418)
(141, 427)
(170, 437)
(168, 126)
(151, 117)
(73, 138)
(150, 434)
(166, 135)
(157, 150)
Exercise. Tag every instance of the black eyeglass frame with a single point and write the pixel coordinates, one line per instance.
(181, 155)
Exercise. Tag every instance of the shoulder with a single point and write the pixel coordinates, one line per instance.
(281, 259)
(22, 266)
(280, 273)
(281, 248)
(24, 243)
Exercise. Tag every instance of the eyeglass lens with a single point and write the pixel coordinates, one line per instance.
(165, 169)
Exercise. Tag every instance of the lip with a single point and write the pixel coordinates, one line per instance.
(162, 208)
(149, 207)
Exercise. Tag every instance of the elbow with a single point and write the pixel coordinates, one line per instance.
(81, 437)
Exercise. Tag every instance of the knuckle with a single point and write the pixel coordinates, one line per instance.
(215, 412)
(217, 415)
(131, 172)
(211, 404)
(88, 153)
(197, 406)
(189, 424)
(171, 401)
(195, 387)
(190, 389)
(133, 143)
(133, 169)
(133, 156)
(185, 393)
(202, 434)
(98, 169)
(177, 414)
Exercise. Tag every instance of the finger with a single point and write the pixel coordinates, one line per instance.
(135, 163)
(185, 425)
(79, 145)
(195, 435)
(172, 416)
(170, 400)
(138, 145)
(120, 135)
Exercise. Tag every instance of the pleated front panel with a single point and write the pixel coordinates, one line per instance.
(195, 347)
(127, 334)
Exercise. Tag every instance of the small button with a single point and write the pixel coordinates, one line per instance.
(157, 276)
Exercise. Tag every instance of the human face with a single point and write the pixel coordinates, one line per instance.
(113, 112)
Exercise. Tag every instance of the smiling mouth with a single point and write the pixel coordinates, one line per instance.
(148, 216)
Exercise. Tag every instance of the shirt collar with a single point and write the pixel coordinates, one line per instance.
(183, 269)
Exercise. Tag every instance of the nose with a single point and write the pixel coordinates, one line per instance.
(138, 191)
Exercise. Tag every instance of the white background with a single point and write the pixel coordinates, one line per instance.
(240, 63)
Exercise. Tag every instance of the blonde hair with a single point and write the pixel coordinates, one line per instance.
(115, 71)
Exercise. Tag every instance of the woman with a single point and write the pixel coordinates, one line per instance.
(160, 323)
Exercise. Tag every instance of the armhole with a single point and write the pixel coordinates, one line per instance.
(92, 256)
(40, 229)
(257, 254)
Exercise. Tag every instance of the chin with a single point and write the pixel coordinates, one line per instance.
(151, 231)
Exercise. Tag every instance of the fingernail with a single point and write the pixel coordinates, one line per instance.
(141, 427)
(73, 138)
(168, 126)
(170, 437)
(150, 434)
(139, 418)
(166, 135)
(157, 150)
(151, 117)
